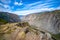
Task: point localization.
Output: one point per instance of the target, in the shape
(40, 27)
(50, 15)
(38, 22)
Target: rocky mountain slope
(9, 17)
(22, 31)
(46, 21)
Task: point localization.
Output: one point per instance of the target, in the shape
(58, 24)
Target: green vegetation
(56, 36)
(23, 24)
(2, 21)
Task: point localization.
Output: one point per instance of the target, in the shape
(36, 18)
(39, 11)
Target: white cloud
(25, 12)
(37, 7)
(6, 6)
(40, 4)
(4, 10)
(30, 5)
(6, 1)
(18, 3)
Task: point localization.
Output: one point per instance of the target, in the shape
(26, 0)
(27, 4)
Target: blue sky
(23, 7)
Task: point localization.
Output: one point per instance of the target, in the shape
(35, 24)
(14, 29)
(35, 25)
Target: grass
(2, 21)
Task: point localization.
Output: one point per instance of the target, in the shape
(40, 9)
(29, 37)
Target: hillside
(46, 21)
(9, 17)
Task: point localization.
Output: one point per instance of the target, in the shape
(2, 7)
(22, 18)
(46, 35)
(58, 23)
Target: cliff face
(9, 17)
(47, 21)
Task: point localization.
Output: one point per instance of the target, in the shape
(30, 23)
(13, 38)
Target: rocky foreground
(22, 31)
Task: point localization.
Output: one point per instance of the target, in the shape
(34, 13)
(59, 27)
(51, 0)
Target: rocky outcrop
(46, 21)
(9, 17)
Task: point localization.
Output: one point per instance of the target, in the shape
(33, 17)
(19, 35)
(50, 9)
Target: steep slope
(9, 17)
(46, 21)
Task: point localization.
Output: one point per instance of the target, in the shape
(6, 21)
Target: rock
(33, 36)
(46, 21)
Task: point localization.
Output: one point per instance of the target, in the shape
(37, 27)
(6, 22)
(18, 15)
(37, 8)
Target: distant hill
(9, 17)
(46, 21)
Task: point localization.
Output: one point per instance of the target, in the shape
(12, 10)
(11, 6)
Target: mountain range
(35, 26)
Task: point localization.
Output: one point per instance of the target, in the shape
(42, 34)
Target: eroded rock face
(48, 21)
